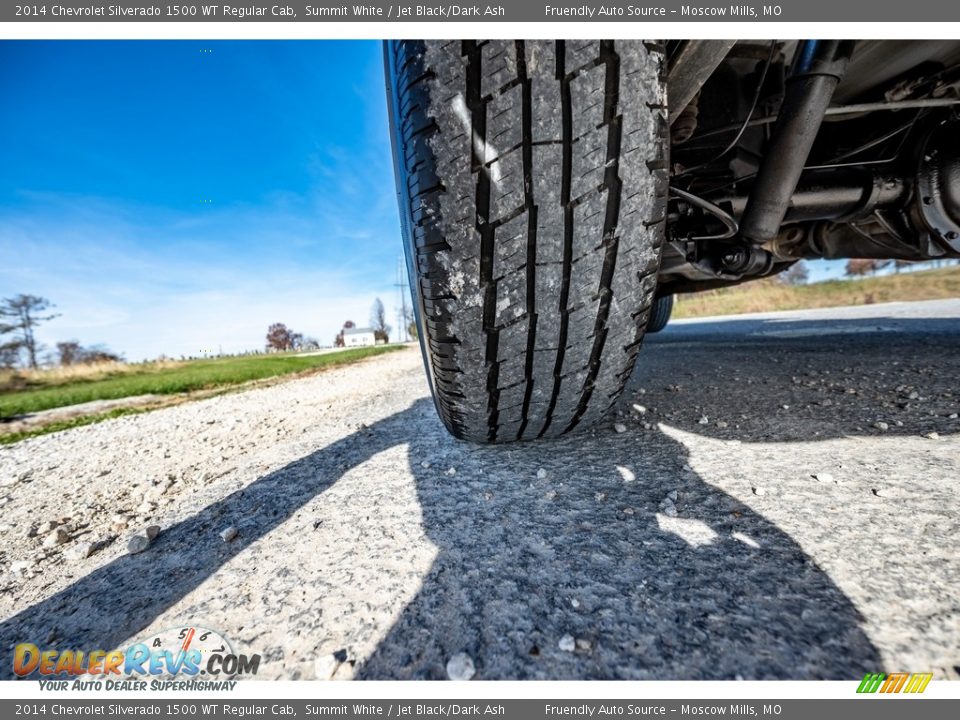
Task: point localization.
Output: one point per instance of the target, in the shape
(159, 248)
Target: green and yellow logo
(894, 682)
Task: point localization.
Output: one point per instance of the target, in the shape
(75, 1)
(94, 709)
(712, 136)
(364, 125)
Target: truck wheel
(532, 183)
(660, 315)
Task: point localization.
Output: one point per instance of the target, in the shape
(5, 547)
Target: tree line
(20, 316)
(858, 267)
(281, 338)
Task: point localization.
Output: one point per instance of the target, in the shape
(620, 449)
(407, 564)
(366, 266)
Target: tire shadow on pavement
(717, 592)
(592, 552)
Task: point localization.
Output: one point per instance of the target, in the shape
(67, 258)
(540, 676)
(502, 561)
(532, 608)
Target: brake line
(724, 217)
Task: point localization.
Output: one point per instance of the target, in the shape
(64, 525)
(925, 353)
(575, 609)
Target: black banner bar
(515, 11)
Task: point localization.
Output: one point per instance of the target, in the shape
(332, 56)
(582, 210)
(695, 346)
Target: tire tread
(536, 196)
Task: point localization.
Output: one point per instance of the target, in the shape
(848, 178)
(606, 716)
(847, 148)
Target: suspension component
(817, 69)
(839, 195)
(938, 186)
(744, 260)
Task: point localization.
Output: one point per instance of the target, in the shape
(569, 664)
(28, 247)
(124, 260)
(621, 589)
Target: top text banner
(513, 11)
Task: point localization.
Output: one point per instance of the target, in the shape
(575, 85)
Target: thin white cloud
(174, 287)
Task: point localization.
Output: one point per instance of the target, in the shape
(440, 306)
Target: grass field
(771, 294)
(35, 391)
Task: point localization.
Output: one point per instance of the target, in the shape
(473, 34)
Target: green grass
(188, 377)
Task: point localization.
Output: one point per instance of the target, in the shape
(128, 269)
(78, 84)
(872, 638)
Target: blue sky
(177, 197)
(821, 270)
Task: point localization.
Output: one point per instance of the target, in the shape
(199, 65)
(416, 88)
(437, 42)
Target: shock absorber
(817, 68)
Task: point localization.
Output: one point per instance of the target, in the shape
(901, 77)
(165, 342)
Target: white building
(358, 337)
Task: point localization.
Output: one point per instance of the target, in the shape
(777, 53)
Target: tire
(532, 183)
(660, 314)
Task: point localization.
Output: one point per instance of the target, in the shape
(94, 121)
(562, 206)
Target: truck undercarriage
(785, 150)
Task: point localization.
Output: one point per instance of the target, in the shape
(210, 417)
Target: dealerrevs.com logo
(184, 658)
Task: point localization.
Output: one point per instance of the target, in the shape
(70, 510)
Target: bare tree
(338, 341)
(69, 352)
(10, 354)
(857, 267)
(21, 315)
(797, 274)
(73, 353)
(378, 322)
(99, 354)
(280, 337)
(411, 322)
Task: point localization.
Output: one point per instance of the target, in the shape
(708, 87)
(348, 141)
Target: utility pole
(404, 289)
